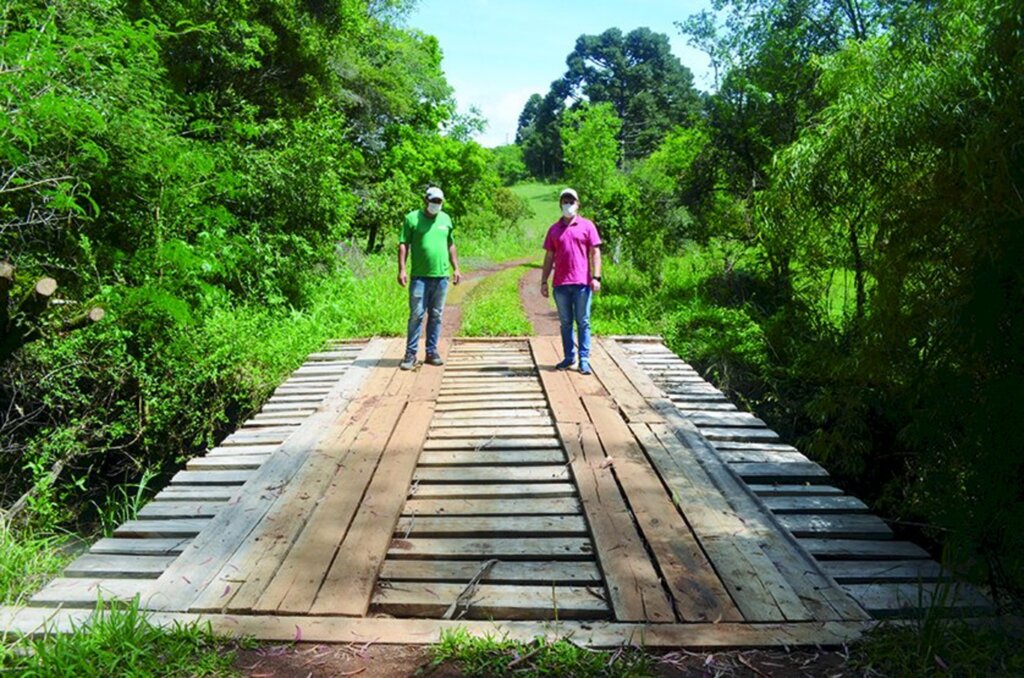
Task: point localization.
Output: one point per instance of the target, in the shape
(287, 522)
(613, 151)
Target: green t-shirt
(428, 240)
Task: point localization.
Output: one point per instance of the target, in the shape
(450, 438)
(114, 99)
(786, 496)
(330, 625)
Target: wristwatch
(596, 277)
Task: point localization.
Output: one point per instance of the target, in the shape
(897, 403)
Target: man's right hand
(402, 278)
(544, 290)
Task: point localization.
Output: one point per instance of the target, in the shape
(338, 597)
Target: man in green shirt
(427, 237)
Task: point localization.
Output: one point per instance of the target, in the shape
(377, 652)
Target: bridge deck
(364, 502)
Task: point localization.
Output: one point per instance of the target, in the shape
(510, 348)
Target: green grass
(489, 656)
(27, 561)
(543, 202)
(120, 642)
(492, 308)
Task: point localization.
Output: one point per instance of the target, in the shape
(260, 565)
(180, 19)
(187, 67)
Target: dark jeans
(426, 296)
(573, 302)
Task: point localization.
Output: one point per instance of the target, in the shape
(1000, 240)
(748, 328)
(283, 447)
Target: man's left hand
(595, 285)
(456, 276)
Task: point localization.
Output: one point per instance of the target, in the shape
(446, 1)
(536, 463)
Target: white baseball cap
(568, 191)
(435, 193)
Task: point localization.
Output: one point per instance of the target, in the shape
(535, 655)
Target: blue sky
(499, 52)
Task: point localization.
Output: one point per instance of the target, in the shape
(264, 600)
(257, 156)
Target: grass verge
(488, 656)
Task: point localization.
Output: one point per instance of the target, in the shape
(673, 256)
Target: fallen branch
(464, 599)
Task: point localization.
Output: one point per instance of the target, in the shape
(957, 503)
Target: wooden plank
(242, 462)
(762, 457)
(871, 571)
(889, 600)
(740, 445)
(295, 585)
(142, 547)
(536, 548)
(492, 601)
(634, 590)
(118, 566)
(503, 415)
(428, 382)
(485, 507)
(493, 526)
(713, 405)
(500, 424)
(261, 420)
(177, 527)
(240, 450)
(492, 474)
(746, 434)
(492, 442)
(349, 584)
(522, 389)
(217, 493)
(626, 395)
(760, 590)
(862, 549)
(246, 575)
(87, 591)
(817, 592)
(162, 510)
(776, 472)
(197, 567)
(516, 572)
(713, 418)
(209, 477)
(820, 505)
(589, 633)
(502, 398)
(520, 490)
(841, 526)
(640, 380)
(697, 592)
(565, 403)
(805, 490)
(528, 407)
(488, 457)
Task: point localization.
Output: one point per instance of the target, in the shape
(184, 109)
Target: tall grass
(119, 641)
(27, 561)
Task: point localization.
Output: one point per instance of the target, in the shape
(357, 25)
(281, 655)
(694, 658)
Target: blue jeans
(426, 295)
(573, 302)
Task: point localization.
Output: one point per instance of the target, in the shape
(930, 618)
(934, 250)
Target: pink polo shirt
(571, 243)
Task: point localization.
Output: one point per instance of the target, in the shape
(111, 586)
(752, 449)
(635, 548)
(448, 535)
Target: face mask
(433, 208)
(569, 210)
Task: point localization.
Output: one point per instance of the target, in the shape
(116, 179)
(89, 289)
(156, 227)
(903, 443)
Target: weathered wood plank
(634, 590)
(492, 442)
(536, 548)
(841, 526)
(294, 587)
(820, 505)
(520, 490)
(491, 526)
(85, 592)
(516, 572)
(478, 415)
(142, 547)
(492, 507)
(626, 395)
(862, 549)
(492, 601)
(715, 433)
(163, 510)
(240, 450)
(893, 600)
(199, 493)
(211, 477)
(713, 405)
(783, 490)
(488, 457)
(697, 592)
(762, 457)
(565, 404)
(760, 590)
(241, 462)
(492, 474)
(499, 424)
(197, 567)
(726, 419)
(348, 586)
(104, 566)
(462, 408)
(784, 472)
(872, 571)
(501, 398)
(169, 528)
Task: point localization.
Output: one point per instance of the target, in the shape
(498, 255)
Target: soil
(306, 660)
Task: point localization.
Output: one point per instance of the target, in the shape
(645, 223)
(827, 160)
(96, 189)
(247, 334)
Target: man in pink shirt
(574, 251)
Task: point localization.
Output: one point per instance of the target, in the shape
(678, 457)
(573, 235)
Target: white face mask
(433, 208)
(569, 210)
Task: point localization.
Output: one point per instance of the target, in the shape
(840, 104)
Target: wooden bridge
(637, 505)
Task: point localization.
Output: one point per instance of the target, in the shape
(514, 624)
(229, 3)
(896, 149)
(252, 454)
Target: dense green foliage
(211, 174)
(837, 238)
